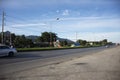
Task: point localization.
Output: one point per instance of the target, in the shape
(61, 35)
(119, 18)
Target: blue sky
(88, 19)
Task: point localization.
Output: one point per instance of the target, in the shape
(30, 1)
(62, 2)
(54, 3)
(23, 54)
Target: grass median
(50, 48)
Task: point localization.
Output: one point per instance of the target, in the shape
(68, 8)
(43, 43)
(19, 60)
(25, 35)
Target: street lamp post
(51, 40)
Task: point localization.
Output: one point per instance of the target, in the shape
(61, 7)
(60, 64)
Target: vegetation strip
(50, 48)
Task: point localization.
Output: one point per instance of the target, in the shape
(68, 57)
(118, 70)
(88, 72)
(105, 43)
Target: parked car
(7, 51)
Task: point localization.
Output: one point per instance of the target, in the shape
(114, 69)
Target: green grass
(49, 48)
(34, 49)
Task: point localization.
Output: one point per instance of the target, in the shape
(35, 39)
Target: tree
(64, 43)
(39, 39)
(13, 36)
(45, 36)
(46, 39)
(22, 42)
(48, 36)
(104, 42)
(29, 43)
(82, 42)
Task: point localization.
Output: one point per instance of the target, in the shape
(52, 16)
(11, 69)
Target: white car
(6, 50)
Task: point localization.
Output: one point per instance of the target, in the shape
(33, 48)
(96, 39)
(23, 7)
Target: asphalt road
(29, 60)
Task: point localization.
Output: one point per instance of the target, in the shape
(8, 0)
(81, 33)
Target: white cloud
(57, 11)
(29, 24)
(98, 23)
(92, 22)
(66, 13)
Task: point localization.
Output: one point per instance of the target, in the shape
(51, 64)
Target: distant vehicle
(107, 46)
(75, 45)
(7, 51)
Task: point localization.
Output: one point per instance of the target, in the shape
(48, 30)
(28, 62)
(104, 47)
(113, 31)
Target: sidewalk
(104, 65)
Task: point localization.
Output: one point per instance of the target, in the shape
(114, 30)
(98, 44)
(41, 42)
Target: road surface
(29, 60)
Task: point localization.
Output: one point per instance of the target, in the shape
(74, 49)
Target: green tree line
(21, 41)
(94, 43)
(45, 39)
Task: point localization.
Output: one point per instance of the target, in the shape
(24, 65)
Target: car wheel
(11, 54)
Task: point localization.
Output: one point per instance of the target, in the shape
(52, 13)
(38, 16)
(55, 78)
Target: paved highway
(28, 60)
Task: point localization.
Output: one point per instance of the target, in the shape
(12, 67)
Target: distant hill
(63, 39)
(33, 37)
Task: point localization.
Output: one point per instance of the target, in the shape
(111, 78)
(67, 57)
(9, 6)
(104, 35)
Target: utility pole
(2, 35)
